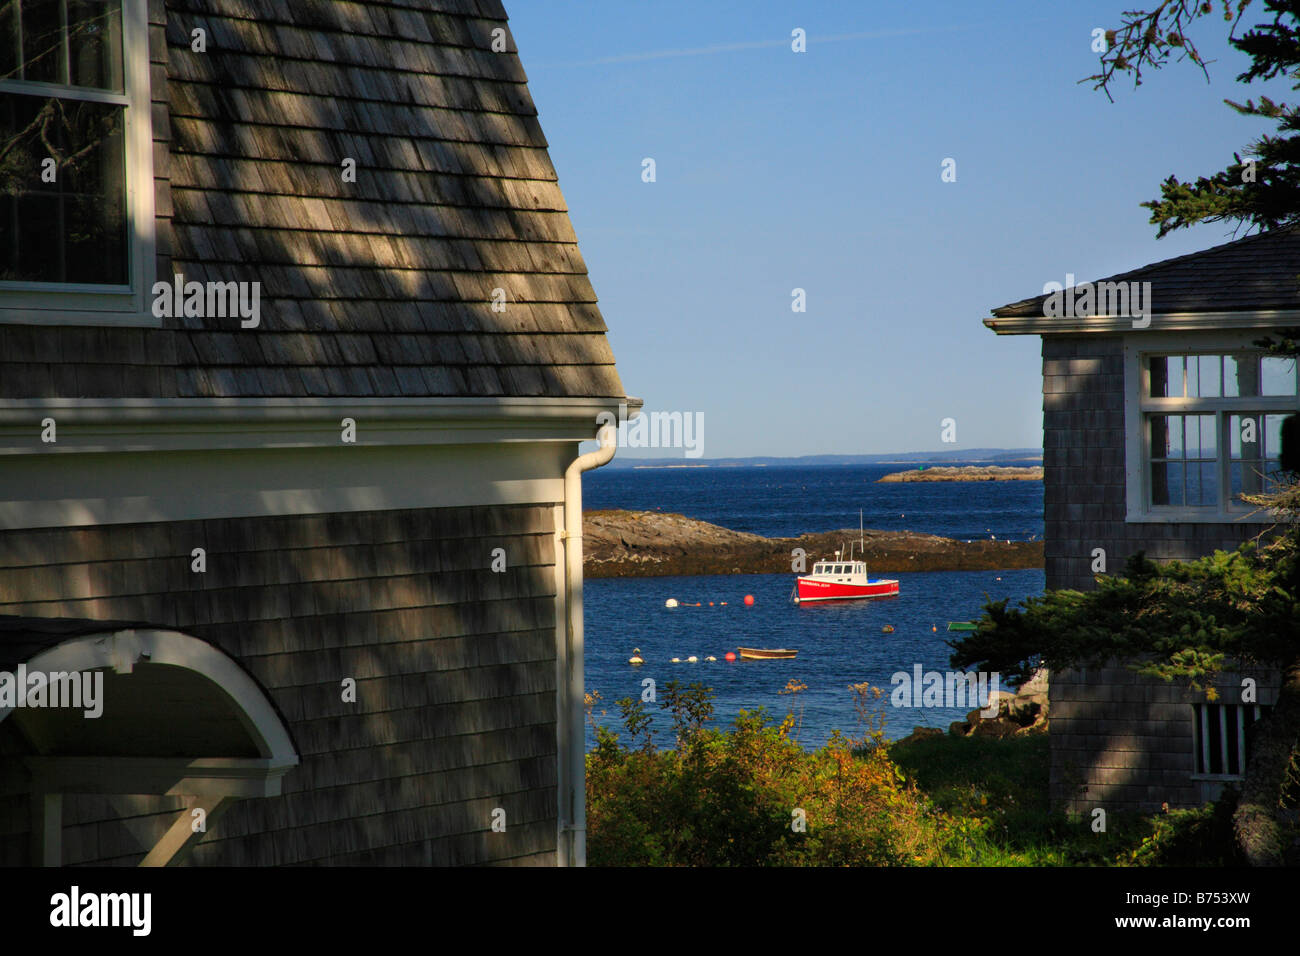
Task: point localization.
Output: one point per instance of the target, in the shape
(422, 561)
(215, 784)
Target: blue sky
(821, 171)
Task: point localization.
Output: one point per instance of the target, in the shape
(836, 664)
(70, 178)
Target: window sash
(112, 46)
(74, 232)
(1221, 407)
(60, 303)
(1191, 372)
(64, 92)
(1223, 461)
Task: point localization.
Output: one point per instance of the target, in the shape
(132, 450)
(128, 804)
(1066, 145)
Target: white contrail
(750, 45)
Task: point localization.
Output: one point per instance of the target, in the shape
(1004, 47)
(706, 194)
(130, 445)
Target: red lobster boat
(841, 580)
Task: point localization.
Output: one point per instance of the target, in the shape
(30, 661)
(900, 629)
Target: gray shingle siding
(1083, 458)
(1117, 741)
(366, 284)
(1124, 742)
(455, 668)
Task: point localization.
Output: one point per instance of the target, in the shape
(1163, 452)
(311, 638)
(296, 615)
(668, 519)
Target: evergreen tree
(1261, 190)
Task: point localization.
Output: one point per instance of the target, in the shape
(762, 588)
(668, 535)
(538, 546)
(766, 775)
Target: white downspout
(573, 763)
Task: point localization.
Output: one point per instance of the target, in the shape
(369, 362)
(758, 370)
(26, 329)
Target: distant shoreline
(966, 473)
(991, 456)
(656, 544)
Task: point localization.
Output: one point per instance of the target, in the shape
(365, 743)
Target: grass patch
(1001, 786)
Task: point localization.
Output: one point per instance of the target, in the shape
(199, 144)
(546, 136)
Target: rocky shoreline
(967, 473)
(1023, 712)
(655, 544)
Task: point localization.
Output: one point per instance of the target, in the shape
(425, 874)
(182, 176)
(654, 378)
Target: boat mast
(862, 549)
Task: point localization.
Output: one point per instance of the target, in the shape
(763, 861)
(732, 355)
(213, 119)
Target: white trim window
(76, 162)
(1205, 428)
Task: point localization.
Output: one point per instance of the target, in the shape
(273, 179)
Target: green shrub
(1200, 837)
(750, 796)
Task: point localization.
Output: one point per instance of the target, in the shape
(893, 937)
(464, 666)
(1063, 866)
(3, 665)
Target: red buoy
(731, 655)
(749, 599)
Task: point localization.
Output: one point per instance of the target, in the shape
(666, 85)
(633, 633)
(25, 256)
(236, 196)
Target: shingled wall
(382, 287)
(1117, 741)
(455, 669)
(1083, 459)
(1124, 742)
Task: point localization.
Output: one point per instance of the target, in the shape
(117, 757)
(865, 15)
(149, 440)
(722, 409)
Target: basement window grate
(1219, 738)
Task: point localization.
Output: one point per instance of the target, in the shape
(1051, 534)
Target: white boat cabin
(845, 572)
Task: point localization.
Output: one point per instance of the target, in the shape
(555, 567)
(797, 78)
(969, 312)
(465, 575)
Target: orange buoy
(749, 599)
(731, 655)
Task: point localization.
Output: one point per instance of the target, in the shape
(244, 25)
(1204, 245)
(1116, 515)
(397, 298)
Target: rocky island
(654, 544)
(968, 473)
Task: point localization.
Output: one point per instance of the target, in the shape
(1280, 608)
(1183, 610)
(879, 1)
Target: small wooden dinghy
(765, 654)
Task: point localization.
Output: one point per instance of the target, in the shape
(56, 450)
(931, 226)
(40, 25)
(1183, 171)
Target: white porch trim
(215, 781)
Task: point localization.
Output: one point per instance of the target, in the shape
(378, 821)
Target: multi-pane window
(64, 205)
(1212, 427)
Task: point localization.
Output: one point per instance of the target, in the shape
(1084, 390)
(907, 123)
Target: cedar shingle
(455, 197)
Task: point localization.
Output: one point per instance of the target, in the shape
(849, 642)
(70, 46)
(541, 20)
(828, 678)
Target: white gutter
(206, 424)
(572, 769)
(226, 410)
(1159, 322)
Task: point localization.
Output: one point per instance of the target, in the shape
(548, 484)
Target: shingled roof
(1257, 272)
(382, 287)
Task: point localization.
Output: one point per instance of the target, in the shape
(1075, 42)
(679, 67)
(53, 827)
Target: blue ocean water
(787, 502)
(839, 644)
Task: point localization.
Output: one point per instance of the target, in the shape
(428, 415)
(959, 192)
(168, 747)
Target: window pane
(1203, 484)
(95, 43)
(1207, 376)
(1278, 377)
(1166, 376)
(1240, 375)
(1273, 436)
(42, 42)
(1166, 436)
(8, 40)
(73, 229)
(1200, 436)
(1167, 483)
(1193, 380)
(1248, 477)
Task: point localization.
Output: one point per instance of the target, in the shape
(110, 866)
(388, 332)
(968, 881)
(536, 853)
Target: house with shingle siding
(1153, 425)
(297, 349)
